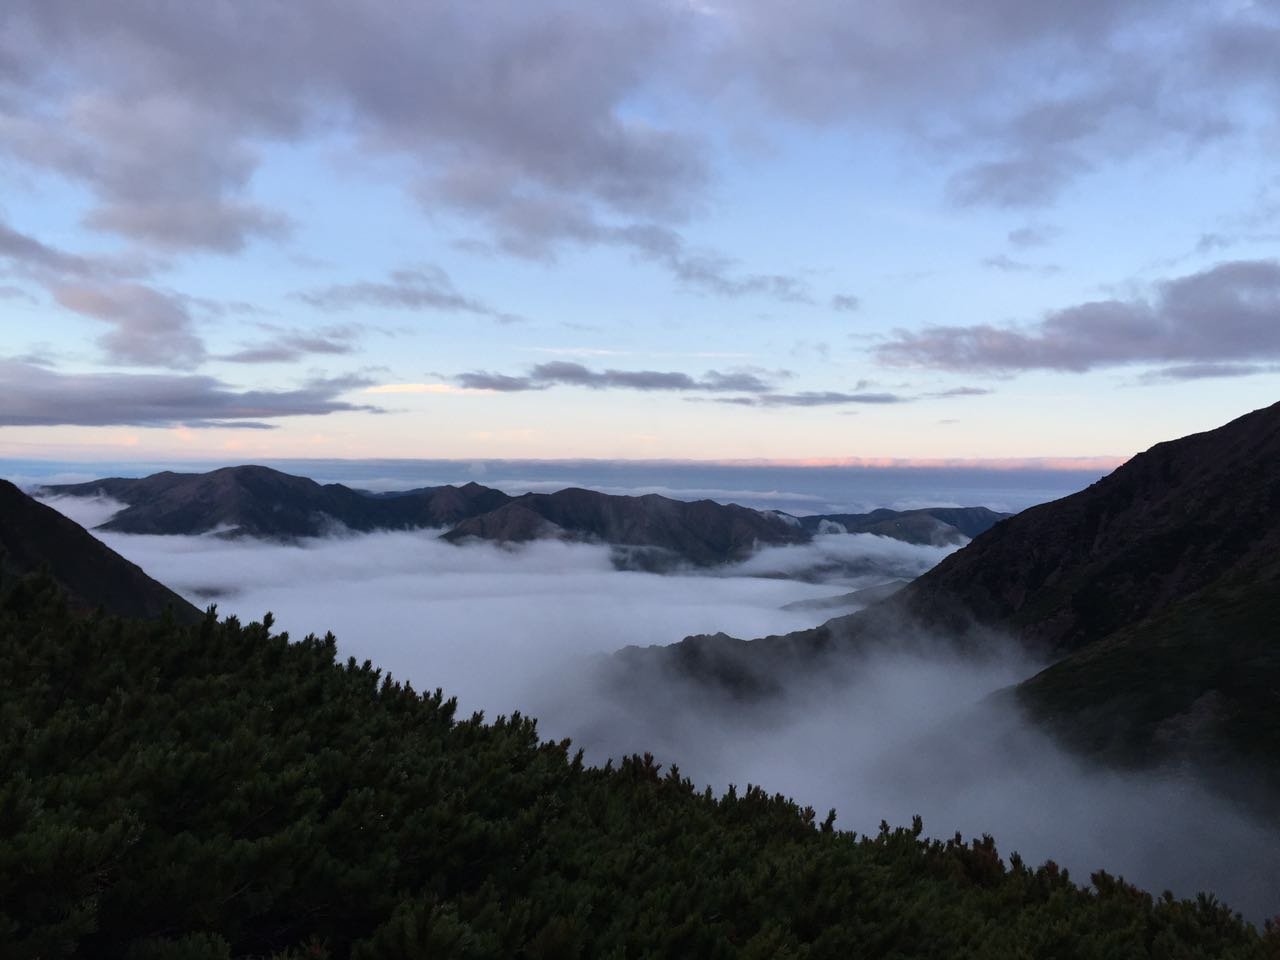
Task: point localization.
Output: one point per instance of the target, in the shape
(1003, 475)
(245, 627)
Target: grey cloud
(1033, 235)
(535, 227)
(30, 252)
(846, 302)
(565, 373)
(530, 125)
(962, 392)
(418, 288)
(176, 224)
(289, 347)
(9, 291)
(170, 103)
(151, 328)
(817, 398)
(33, 395)
(1028, 180)
(1224, 314)
(1206, 371)
(1007, 264)
(483, 380)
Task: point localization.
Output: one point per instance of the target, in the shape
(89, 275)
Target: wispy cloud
(1226, 314)
(34, 395)
(564, 373)
(420, 288)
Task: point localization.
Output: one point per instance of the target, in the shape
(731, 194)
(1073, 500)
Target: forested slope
(214, 791)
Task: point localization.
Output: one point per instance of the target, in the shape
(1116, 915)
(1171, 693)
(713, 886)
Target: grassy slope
(215, 791)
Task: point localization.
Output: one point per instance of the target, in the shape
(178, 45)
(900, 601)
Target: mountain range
(1153, 596)
(646, 532)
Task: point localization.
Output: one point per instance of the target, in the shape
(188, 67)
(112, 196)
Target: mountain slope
(33, 536)
(1155, 593)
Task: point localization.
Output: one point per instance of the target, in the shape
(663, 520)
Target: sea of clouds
(895, 734)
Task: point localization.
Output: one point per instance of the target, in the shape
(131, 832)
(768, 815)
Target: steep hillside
(34, 537)
(216, 791)
(1155, 593)
(1173, 520)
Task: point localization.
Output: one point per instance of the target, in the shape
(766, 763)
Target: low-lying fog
(526, 628)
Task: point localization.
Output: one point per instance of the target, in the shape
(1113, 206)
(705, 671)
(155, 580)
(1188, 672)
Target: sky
(815, 231)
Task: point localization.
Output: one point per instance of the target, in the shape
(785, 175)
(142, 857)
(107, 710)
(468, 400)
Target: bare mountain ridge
(648, 532)
(35, 537)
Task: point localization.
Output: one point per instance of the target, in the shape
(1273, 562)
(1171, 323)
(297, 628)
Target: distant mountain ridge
(260, 502)
(35, 537)
(1154, 593)
(647, 532)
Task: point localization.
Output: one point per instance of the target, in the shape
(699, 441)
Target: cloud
(889, 735)
(424, 287)
(151, 328)
(814, 398)
(1033, 235)
(962, 392)
(11, 291)
(1226, 313)
(846, 302)
(289, 346)
(564, 373)
(1007, 264)
(33, 395)
(1207, 371)
(572, 124)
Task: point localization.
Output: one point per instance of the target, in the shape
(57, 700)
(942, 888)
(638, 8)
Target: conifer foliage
(217, 791)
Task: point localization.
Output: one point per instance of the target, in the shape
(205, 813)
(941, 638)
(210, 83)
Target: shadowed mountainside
(1154, 593)
(33, 536)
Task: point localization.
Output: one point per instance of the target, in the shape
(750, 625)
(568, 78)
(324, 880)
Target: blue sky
(819, 231)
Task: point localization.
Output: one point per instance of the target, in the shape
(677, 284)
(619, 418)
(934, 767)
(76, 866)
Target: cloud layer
(33, 395)
(1223, 314)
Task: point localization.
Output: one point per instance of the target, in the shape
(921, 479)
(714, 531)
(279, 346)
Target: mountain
(216, 790)
(648, 532)
(35, 537)
(654, 528)
(261, 502)
(939, 526)
(1154, 594)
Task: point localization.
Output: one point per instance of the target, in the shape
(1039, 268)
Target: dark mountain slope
(33, 536)
(1171, 521)
(261, 502)
(702, 532)
(1156, 591)
(1200, 681)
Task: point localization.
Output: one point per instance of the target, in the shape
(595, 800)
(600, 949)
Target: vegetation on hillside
(215, 791)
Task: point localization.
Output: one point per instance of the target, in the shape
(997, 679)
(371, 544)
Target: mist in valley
(886, 735)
